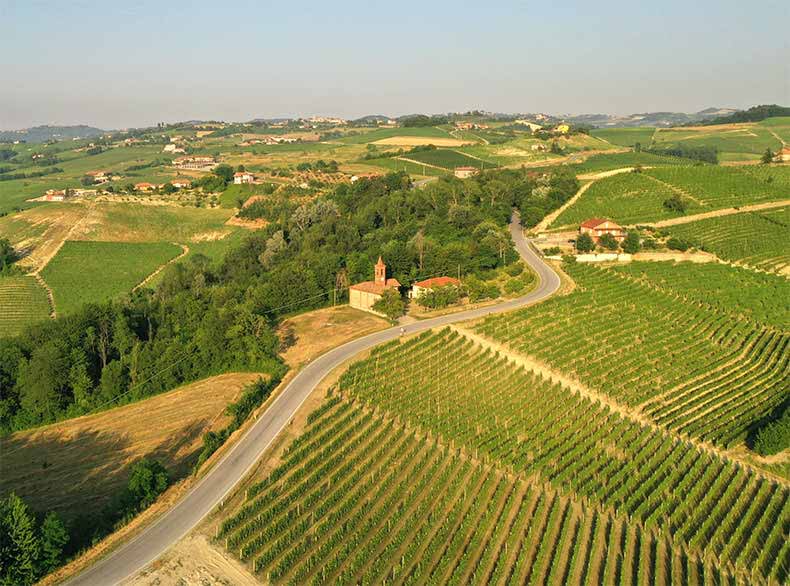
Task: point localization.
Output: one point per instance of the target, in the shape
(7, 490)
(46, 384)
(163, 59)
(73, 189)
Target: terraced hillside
(22, 302)
(632, 198)
(755, 239)
(440, 462)
(692, 367)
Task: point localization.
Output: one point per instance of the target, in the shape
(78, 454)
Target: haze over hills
(44, 133)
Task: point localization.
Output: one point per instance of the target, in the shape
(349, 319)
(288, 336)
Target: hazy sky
(134, 63)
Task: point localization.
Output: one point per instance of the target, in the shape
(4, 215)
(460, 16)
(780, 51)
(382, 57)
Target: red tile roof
(594, 222)
(373, 287)
(437, 282)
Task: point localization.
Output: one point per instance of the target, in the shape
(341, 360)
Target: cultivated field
(755, 239)
(449, 159)
(86, 460)
(638, 197)
(22, 302)
(626, 137)
(758, 296)
(733, 141)
(700, 370)
(84, 272)
(437, 461)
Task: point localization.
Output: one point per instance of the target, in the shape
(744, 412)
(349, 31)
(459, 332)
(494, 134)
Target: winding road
(220, 481)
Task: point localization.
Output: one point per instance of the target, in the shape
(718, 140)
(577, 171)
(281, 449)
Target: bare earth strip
(719, 213)
(144, 282)
(592, 177)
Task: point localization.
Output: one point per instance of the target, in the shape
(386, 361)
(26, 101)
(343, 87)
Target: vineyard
(22, 302)
(84, 272)
(449, 159)
(439, 462)
(692, 367)
(758, 296)
(631, 198)
(755, 239)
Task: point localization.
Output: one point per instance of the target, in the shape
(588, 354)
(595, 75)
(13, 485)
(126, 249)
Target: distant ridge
(753, 114)
(45, 133)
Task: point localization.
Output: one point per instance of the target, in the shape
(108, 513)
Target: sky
(118, 64)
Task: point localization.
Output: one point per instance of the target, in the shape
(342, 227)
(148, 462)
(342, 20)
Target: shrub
(773, 437)
(551, 251)
(678, 244)
(515, 269)
(584, 243)
(631, 243)
(514, 286)
(675, 204)
(608, 241)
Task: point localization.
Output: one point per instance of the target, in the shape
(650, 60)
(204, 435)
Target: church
(364, 295)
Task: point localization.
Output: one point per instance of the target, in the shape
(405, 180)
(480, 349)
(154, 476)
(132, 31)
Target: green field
(632, 198)
(449, 159)
(379, 134)
(627, 198)
(744, 140)
(439, 462)
(22, 302)
(85, 272)
(756, 239)
(626, 137)
(700, 370)
(758, 296)
(387, 164)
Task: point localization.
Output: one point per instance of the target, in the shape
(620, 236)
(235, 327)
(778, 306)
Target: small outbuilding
(465, 172)
(243, 177)
(420, 288)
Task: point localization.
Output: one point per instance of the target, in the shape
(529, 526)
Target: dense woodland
(204, 319)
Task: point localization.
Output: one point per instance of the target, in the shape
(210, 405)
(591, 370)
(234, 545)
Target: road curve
(215, 486)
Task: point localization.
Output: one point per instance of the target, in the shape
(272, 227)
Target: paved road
(220, 481)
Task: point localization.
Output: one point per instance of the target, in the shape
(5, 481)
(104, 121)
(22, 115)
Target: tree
(631, 243)
(767, 157)
(390, 304)
(675, 204)
(54, 538)
(86, 180)
(584, 243)
(7, 254)
(224, 172)
(608, 241)
(169, 188)
(678, 244)
(20, 548)
(147, 481)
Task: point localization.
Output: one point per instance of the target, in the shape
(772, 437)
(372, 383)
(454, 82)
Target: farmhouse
(55, 194)
(419, 288)
(181, 183)
(243, 177)
(144, 186)
(173, 148)
(465, 172)
(597, 227)
(194, 163)
(99, 176)
(364, 295)
(783, 156)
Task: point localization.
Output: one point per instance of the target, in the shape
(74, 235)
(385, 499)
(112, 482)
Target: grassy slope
(22, 302)
(374, 135)
(84, 272)
(87, 459)
(627, 137)
(449, 159)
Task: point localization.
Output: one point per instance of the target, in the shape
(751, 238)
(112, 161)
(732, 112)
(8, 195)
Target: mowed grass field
(84, 272)
(23, 302)
(626, 137)
(86, 460)
(733, 141)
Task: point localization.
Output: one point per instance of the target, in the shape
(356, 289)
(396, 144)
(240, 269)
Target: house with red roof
(243, 177)
(597, 227)
(364, 295)
(420, 288)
